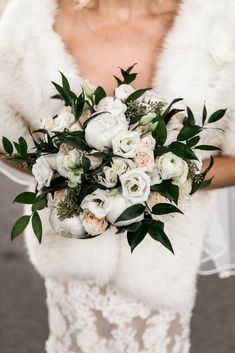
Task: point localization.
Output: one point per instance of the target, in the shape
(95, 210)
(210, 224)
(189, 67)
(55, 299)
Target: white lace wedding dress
(86, 318)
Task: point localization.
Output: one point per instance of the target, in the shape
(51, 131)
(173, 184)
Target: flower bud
(153, 126)
(146, 119)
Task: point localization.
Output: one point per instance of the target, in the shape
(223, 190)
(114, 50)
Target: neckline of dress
(72, 62)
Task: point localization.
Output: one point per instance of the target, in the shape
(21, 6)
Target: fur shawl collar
(197, 63)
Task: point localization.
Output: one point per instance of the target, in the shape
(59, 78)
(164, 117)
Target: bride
(102, 299)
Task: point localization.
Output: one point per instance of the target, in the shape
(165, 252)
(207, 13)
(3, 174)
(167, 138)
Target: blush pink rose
(92, 224)
(145, 159)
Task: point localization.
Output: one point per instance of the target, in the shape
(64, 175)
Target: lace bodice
(85, 318)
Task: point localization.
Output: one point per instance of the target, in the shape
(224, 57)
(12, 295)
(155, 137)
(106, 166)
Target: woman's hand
(223, 172)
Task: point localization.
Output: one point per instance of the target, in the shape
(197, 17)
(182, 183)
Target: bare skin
(109, 34)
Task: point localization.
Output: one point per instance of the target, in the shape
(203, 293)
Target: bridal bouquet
(128, 161)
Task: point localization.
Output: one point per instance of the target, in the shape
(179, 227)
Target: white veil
(219, 250)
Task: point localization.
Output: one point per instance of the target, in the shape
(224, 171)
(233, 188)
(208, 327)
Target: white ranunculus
(135, 185)
(120, 204)
(155, 176)
(42, 172)
(66, 162)
(111, 105)
(173, 167)
(123, 91)
(126, 144)
(69, 228)
(97, 203)
(103, 128)
(64, 120)
(92, 224)
(122, 165)
(75, 177)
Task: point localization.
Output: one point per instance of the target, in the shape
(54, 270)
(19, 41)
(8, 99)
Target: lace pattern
(86, 318)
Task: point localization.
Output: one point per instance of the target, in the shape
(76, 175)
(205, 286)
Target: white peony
(135, 185)
(120, 205)
(69, 228)
(173, 167)
(101, 130)
(64, 120)
(92, 224)
(111, 105)
(123, 91)
(66, 162)
(42, 172)
(126, 144)
(97, 203)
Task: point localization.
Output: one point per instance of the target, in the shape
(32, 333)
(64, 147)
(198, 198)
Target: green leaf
(160, 132)
(27, 198)
(20, 150)
(79, 106)
(131, 212)
(204, 115)
(209, 167)
(40, 203)
(99, 94)
(187, 132)
(165, 208)
(182, 150)
(133, 227)
(159, 151)
(206, 183)
(65, 82)
(19, 226)
(63, 93)
(135, 95)
(219, 114)
(193, 142)
(168, 190)
(135, 238)
(86, 164)
(191, 118)
(7, 145)
(207, 148)
(171, 113)
(156, 231)
(37, 226)
(165, 114)
(23, 144)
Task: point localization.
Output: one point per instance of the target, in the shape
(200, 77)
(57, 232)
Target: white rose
(122, 165)
(42, 172)
(97, 203)
(95, 161)
(102, 129)
(75, 177)
(92, 224)
(173, 128)
(123, 91)
(64, 120)
(66, 162)
(126, 144)
(69, 228)
(147, 142)
(109, 178)
(145, 160)
(120, 204)
(135, 185)
(111, 105)
(150, 96)
(173, 167)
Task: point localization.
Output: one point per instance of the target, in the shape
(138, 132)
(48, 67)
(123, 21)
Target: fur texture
(197, 63)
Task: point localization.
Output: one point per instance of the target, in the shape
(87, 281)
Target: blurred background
(23, 312)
